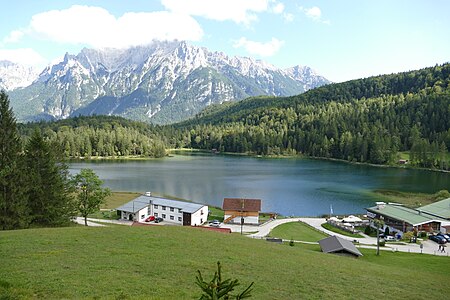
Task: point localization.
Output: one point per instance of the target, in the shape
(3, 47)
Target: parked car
(445, 236)
(438, 239)
(390, 238)
(158, 219)
(214, 223)
(150, 218)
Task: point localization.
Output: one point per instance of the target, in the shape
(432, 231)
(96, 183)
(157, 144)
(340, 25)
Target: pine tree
(49, 190)
(13, 202)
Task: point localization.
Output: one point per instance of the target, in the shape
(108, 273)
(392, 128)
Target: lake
(293, 186)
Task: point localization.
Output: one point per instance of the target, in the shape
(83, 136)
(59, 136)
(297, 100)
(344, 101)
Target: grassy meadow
(297, 231)
(160, 262)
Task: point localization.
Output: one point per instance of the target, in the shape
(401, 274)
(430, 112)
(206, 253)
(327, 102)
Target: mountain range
(163, 82)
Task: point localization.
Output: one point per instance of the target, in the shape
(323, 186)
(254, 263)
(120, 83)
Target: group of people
(442, 247)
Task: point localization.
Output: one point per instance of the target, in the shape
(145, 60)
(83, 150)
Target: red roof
(240, 204)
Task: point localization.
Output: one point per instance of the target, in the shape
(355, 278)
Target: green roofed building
(440, 209)
(402, 219)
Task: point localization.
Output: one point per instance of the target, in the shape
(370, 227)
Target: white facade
(172, 211)
(200, 216)
(247, 220)
(139, 216)
(168, 213)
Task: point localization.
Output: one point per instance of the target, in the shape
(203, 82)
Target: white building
(179, 212)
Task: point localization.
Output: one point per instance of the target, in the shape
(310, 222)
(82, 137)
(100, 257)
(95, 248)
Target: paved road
(258, 232)
(80, 220)
(429, 247)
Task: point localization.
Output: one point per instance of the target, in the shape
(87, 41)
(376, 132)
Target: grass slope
(160, 262)
(297, 231)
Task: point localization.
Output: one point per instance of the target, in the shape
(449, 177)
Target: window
(142, 217)
(180, 210)
(149, 211)
(164, 208)
(156, 214)
(201, 212)
(171, 209)
(156, 206)
(164, 216)
(172, 217)
(179, 219)
(201, 221)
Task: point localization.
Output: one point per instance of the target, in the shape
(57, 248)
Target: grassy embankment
(410, 199)
(297, 231)
(160, 262)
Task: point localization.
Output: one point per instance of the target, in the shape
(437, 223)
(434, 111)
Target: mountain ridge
(163, 82)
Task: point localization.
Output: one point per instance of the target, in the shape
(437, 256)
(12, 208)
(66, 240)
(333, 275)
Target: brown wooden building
(237, 209)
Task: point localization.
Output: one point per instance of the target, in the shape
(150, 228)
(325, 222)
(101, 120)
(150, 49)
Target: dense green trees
(405, 112)
(101, 136)
(369, 120)
(34, 186)
(49, 189)
(14, 212)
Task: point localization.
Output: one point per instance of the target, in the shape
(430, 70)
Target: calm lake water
(302, 187)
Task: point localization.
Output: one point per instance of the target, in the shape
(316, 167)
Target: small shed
(236, 209)
(337, 245)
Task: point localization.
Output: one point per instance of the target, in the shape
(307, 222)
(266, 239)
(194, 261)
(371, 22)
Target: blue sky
(341, 40)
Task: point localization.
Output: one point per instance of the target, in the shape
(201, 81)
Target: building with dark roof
(175, 211)
(338, 245)
(237, 210)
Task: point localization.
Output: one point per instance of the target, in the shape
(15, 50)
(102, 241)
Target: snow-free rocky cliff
(162, 83)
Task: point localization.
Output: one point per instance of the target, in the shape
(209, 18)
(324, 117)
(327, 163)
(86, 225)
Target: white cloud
(24, 56)
(261, 49)
(288, 17)
(13, 37)
(239, 11)
(96, 27)
(314, 13)
(278, 8)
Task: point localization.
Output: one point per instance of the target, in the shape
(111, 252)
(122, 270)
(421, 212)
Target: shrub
(291, 243)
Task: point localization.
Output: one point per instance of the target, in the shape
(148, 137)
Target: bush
(408, 236)
(291, 243)
(422, 234)
(382, 242)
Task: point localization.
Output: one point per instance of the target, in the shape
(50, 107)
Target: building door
(186, 219)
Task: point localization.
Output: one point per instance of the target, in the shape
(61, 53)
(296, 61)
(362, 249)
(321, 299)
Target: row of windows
(164, 208)
(164, 217)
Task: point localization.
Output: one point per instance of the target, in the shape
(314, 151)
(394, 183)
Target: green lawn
(409, 199)
(215, 213)
(160, 262)
(340, 231)
(116, 199)
(297, 231)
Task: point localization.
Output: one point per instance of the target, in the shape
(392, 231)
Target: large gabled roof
(335, 244)
(143, 201)
(440, 208)
(411, 216)
(240, 204)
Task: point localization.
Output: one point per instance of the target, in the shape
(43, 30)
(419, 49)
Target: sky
(341, 40)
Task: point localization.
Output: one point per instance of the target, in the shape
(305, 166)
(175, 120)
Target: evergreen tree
(13, 201)
(50, 199)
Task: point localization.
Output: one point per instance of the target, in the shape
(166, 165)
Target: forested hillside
(369, 120)
(101, 136)
(366, 120)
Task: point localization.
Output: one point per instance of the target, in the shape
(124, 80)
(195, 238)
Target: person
(443, 248)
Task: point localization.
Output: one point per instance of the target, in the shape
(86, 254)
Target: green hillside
(367, 120)
(160, 262)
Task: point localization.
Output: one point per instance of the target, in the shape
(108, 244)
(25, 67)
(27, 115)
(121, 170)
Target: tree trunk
(85, 221)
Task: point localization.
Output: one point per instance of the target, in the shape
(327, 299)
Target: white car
(215, 223)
